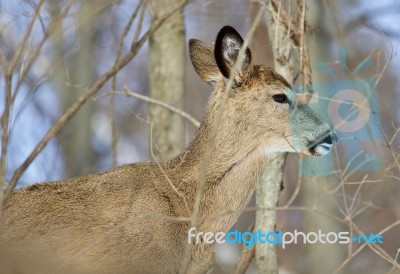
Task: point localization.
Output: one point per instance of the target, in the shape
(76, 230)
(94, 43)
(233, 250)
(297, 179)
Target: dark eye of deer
(280, 98)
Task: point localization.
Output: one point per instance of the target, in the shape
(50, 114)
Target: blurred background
(347, 40)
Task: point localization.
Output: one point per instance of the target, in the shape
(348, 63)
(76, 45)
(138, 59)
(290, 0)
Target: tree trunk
(267, 195)
(73, 77)
(269, 186)
(167, 71)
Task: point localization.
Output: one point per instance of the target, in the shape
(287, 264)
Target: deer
(135, 218)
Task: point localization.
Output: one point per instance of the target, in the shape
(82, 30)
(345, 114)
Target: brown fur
(120, 221)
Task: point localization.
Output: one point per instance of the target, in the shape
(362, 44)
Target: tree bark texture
(167, 74)
(73, 76)
(269, 186)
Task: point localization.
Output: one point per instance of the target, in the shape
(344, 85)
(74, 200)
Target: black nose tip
(330, 139)
(334, 137)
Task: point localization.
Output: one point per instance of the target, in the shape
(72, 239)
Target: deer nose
(331, 139)
(326, 144)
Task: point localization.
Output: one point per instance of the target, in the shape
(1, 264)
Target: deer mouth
(321, 149)
(325, 146)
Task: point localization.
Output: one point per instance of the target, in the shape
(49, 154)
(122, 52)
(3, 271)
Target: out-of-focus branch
(3, 59)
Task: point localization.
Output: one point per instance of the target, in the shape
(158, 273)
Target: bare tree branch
(185, 115)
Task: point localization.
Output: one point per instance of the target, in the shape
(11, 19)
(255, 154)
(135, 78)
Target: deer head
(261, 108)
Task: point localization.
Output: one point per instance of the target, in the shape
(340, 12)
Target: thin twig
(246, 256)
(26, 35)
(171, 184)
(139, 26)
(53, 24)
(347, 260)
(185, 115)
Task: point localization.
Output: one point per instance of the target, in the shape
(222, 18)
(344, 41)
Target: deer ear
(226, 51)
(202, 57)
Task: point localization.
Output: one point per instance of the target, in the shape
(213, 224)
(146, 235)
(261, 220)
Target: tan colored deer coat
(126, 220)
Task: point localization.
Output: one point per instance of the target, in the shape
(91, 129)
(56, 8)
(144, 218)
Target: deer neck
(232, 170)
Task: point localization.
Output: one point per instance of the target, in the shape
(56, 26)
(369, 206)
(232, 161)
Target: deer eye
(280, 98)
